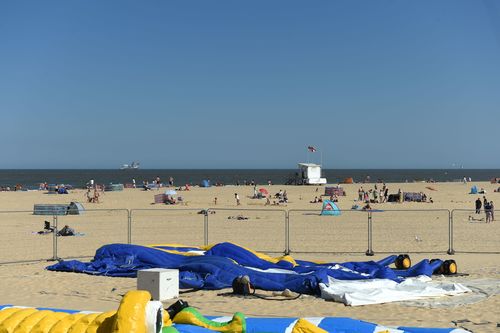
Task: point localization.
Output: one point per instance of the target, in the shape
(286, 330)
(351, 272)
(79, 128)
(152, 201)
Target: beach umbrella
(170, 192)
(263, 191)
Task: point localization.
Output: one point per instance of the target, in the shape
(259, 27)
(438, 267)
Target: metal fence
(472, 233)
(23, 237)
(347, 232)
(261, 229)
(405, 231)
(157, 226)
(94, 228)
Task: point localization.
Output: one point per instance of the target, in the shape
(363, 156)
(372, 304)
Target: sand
(400, 228)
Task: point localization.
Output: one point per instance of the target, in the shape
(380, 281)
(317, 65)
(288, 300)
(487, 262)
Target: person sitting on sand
(315, 200)
(66, 231)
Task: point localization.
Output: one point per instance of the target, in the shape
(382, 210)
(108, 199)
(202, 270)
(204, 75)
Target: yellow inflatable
(136, 314)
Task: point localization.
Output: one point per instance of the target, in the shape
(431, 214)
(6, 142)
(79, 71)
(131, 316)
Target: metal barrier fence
(20, 240)
(347, 232)
(157, 226)
(94, 228)
(23, 238)
(472, 233)
(405, 231)
(261, 229)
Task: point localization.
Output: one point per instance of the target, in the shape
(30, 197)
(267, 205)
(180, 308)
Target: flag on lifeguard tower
(311, 149)
(330, 208)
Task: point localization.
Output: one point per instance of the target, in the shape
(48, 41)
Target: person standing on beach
(133, 183)
(487, 211)
(492, 211)
(158, 180)
(237, 198)
(386, 193)
(478, 206)
(171, 181)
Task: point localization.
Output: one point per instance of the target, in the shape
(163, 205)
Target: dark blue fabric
(225, 261)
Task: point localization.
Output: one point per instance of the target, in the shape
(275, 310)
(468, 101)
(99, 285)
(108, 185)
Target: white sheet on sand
(376, 291)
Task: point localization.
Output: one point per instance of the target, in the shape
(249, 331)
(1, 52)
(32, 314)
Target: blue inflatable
(215, 267)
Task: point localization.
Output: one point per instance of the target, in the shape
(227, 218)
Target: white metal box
(163, 284)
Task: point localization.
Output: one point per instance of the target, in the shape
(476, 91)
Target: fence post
(54, 239)
(205, 226)
(287, 232)
(369, 252)
(450, 251)
(129, 222)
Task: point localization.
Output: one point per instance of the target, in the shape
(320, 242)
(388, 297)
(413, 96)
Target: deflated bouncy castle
(217, 266)
(138, 314)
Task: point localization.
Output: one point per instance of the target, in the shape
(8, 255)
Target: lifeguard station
(310, 174)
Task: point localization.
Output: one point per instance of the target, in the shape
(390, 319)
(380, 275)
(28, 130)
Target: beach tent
(113, 187)
(75, 208)
(50, 209)
(330, 208)
(473, 190)
(205, 183)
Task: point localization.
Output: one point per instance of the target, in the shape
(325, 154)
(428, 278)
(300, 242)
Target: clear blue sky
(233, 84)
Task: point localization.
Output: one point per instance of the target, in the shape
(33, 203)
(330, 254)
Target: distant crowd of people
(374, 195)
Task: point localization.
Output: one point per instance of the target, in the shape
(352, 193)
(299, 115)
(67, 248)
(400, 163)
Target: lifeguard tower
(310, 174)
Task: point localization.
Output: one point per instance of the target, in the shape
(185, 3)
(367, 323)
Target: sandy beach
(420, 229)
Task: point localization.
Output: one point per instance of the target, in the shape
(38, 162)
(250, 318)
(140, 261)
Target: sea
(79, 177)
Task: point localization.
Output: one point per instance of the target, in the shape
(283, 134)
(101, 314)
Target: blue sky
(232, 84)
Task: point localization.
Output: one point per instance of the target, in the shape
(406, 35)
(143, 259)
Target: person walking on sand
(215, 201)
(237, 198)
(478, 206)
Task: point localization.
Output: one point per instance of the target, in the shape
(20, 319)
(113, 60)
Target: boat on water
(131, 166)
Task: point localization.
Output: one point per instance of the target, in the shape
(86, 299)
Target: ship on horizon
(132, 166)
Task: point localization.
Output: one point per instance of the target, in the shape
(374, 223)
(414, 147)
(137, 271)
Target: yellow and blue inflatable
(138, 314)
(215, 267)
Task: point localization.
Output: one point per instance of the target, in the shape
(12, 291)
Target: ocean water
(230, 177)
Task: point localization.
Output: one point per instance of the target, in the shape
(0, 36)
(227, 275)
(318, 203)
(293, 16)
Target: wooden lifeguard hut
(310, 174)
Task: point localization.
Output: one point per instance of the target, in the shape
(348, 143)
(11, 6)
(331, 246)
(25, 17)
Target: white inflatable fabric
(376, 291)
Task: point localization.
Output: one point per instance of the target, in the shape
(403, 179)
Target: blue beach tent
(330, 208)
